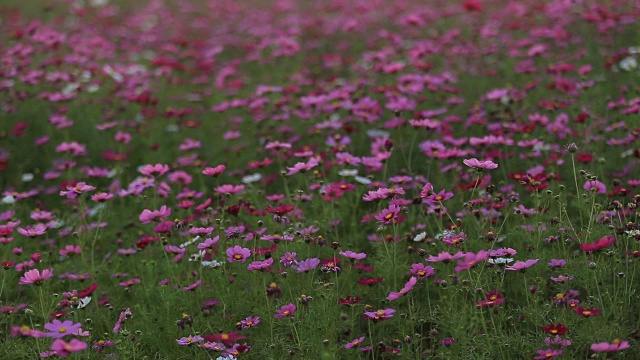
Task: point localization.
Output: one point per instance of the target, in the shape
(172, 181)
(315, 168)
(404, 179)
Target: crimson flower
(280, 210)
(225, 338)
(492, 298)
(369, 281)
(586, 312)
(600, 244)
(555, 329)
(349, 300)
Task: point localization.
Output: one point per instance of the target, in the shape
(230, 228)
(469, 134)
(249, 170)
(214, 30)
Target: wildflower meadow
(340, 179)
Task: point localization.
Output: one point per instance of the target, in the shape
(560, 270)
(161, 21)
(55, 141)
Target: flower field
(341, 179)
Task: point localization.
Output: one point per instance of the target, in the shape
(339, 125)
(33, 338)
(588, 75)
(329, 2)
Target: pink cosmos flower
(353, 255)
(595, 186)
(58, 329)
(380, 314)
(522, 265)
(445, 257)
(249, 322)
(126, 314)
(154, 170)
(101, 197)
(616, 345)
(40, 229)
(148, 216)
(548, 354)
(354, 343)
(407, 287)
(229, 189)
(214, 171)
(63, 348)
(470, 260)
(480, 165)
(285, 311)
(35, 277)
(188, 340)
(70, 250)
(72, 192)
(193, 286)
(260, 265)
(238, 254)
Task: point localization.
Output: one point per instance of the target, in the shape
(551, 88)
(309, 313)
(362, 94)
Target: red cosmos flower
(88, 291)
(555, 329)
(600, 244)
(281, 209)
(369, 281)
(584, 158)
(225, 338)
(349, 300)
(586, 312)
(472, 5)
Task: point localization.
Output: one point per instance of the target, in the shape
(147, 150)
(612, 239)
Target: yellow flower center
(62, 329)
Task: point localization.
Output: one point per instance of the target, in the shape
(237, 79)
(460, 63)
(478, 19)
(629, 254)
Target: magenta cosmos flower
(354, 343)
(285, 311)
(616, 345)
(238, 254)
(421, 271)
(35, 277)
(58, 329)
(407, 287)
(388, 216)
(63, 348)
(148, 216)
(480, 165)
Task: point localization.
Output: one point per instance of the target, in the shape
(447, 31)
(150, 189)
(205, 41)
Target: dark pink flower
(285, 311)
(407, 287)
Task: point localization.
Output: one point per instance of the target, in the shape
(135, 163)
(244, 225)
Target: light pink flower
(213, 171)
(63, 348)
(148, 216)
(480, 165)
(40, 229)
(595, 186)
(155, 170)
(616, 345)
(35, 277)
